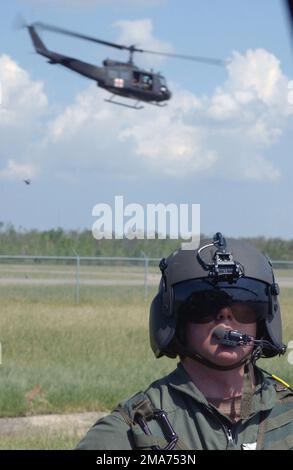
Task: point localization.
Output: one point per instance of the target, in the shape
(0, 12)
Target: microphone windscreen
(220, 332)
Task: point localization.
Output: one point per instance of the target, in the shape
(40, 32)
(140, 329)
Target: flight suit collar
(180, 381)
(264, 396)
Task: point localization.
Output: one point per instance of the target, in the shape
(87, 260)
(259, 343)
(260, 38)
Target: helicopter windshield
(163, 81)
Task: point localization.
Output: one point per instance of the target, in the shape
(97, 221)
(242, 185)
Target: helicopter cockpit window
(163, 81)
(147, 81)
(143, 80)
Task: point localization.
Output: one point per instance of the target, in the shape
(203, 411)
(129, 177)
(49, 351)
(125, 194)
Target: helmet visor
(201, 300)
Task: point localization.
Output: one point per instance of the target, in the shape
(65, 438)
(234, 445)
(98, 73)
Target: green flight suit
(198, 424)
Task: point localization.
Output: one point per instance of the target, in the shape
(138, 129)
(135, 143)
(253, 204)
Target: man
(217, 308)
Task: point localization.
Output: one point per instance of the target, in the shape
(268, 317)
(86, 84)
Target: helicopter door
(142, 80)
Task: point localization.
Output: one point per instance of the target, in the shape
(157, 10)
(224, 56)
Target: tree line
(60, 242)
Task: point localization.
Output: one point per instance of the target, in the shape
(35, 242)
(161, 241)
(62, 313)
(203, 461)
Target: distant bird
(27, 181)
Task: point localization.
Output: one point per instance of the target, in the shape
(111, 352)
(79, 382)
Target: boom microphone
(232, 338)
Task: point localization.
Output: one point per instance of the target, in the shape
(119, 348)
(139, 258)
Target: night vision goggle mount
(223, 266)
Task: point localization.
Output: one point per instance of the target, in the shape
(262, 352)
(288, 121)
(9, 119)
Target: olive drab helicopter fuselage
(126, 79)
(119, 78)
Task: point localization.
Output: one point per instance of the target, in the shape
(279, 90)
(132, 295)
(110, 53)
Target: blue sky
(224, 141)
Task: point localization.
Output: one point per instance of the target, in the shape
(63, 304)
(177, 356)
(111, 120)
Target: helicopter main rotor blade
(56, 29)
(205, 60)
(19, 22)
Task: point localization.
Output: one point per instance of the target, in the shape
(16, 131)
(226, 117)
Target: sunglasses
(201, 302)
(242, 313)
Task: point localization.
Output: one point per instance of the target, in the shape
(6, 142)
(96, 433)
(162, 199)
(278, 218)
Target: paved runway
(153, 280)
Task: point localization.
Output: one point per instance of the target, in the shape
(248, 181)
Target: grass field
(82, 357)
(87, 356)
(41, 441)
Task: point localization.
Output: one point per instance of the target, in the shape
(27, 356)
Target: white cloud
(24, 104)
(18, 171)
(140, 34)
(261, 132)
(226, 135)
(105, 135)
(23, 99)
(258, 76)
(255, 80)
(229, 135)
(167, 142)
(261, 169)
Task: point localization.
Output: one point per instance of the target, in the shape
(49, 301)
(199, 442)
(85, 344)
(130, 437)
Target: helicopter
(120, 78)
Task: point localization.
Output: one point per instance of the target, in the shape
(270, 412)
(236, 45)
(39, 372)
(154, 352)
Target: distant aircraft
(27, 181)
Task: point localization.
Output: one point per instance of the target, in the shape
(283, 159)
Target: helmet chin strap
(206, 362)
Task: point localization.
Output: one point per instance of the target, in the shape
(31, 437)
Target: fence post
(77, 283)
(146, 272)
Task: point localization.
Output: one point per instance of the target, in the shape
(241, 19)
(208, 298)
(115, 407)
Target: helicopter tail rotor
(19, 22)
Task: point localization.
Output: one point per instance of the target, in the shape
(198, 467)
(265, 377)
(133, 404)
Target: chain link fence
(83, 278)
(77, 277)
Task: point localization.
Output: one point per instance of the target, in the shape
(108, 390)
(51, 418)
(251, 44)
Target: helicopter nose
(166, 93)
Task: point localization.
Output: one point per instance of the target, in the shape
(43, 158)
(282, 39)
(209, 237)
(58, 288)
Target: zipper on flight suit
(227, 431)
(229, 435)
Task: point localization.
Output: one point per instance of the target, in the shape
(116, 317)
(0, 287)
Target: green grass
(279, 273)
(43, 440)
(58, 296)
(280, 365)
(87, 356)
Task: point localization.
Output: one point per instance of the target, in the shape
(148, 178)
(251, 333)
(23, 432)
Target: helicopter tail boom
(83, 68)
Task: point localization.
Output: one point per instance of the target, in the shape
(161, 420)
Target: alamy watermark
(290, 92)
(151, 221)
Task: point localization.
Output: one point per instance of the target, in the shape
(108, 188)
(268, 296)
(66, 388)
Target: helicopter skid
(160, 105)
(135, 106)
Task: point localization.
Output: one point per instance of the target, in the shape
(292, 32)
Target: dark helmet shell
(183, 265)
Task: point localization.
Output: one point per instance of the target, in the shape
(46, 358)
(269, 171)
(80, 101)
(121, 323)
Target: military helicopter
(120, 78)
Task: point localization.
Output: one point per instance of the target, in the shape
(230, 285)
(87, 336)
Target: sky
(224, 141)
